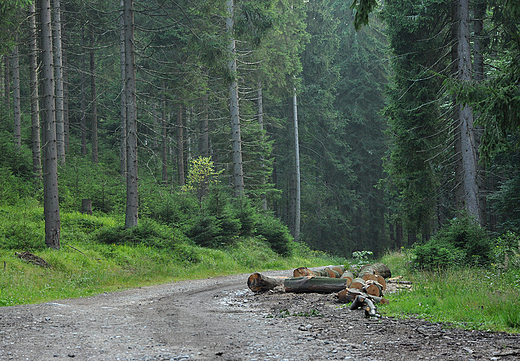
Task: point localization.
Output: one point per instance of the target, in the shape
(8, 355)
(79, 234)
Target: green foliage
(201, 174)
(275, 233)
(506, 251)
(462, 243)
(22, 227)
(361, 257)
(148, 233)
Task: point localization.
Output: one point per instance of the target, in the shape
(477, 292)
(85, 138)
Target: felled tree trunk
(349, 295)
(377, 269)
(329, 271)
(258, 282)
(370, 287)
(314, 284)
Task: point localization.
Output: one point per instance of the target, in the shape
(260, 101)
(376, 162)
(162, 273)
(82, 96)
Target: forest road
(221, 319)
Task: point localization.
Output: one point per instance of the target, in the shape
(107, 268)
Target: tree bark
(180, 148)
(58, 69)
(258, 282)
(35, 95)
(93, 96)
(297, 201)
(50, 164)
(468, 147)
(122, 54)
(314, 284)
(238, 172)
(164, 132)
(15, 59)
(83, 102)
(131, 219)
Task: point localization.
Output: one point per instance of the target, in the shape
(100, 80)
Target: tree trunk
(58, 72)
(7, 84)
(467, 132)
(50, 164)
(260, 105)
(238, 172)
(314, 284)
(15, 59)
(204, 128)
(164, 128)
(258, 282)
(377, 269)
(93, 96)
(123, 132)
(35, 96)
(297, 201)
(180, 148)
(83, 102)
(131, 219)
(66, 125)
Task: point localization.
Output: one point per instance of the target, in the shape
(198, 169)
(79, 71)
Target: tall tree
(93, 99)
(131, 219)
(15, 59)
(35, 101)
(50, 154)
(238, 172)
(59, 83)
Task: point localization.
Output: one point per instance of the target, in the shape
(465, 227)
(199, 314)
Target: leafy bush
(22, 227)
(461, 243)
(275, 233)
(148, 233)
(506, 251)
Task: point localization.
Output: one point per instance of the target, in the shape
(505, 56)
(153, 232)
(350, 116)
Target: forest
(347, 126)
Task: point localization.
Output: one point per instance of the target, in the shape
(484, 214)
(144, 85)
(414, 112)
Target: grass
(84, 267)
(469, 298)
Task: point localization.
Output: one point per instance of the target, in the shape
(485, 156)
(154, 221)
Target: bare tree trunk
(93, 95)
(7, 84)
(66, 125)
(297, 201)
(123, 90)
(58, 72)
(83, 103)
(469, 154)
(35, 105)
(238, 172)
(50, 163)
(260, 106)
(204, 128)
(15, 59)
(131, 118)
(180, 148)
(164, 132)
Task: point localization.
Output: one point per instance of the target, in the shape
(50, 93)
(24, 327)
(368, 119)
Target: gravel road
(221, 319)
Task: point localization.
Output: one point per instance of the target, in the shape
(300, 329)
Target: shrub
(275, 233)
(148, 233)
(506, 251)
(461, 243)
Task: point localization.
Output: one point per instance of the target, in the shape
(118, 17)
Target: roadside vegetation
(458, 285)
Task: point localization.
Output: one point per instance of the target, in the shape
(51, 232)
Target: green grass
(470, 298)
(84, 267)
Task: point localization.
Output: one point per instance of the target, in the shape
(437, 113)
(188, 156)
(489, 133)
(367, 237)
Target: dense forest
(358, 126)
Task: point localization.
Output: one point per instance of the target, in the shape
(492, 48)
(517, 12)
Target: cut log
(373, 288)
(349, 295)
(302, 271)
(314, 284)
(378, 268)
(349, 276)
(358, 283)
(258, 282)
(379, 279)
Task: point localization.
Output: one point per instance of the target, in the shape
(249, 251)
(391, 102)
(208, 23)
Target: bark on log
(314, 284)
(358, 283)
(373, 288)
(349, 295)
(379, 279)
(258, 282)
(329, 271)
(349, 276)
(379, 268)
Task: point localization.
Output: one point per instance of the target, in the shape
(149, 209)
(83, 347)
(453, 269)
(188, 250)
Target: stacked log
(315, 284)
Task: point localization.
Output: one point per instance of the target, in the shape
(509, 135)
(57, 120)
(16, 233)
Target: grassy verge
(470, 298)
(84, 266)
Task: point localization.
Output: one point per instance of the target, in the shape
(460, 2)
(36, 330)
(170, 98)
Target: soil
(221, 319)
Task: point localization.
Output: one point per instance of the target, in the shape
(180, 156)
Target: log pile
(364, 290)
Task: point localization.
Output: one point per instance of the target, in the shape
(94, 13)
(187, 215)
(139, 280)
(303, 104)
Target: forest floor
(221, 319)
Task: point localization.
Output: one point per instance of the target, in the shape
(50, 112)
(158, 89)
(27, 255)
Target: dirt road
(220, 319)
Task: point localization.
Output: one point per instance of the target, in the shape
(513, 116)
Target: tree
(35, 104)
(60, 98)
(50, 155)
(131, 219)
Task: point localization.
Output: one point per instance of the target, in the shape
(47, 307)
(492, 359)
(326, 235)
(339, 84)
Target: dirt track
(220, 319)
